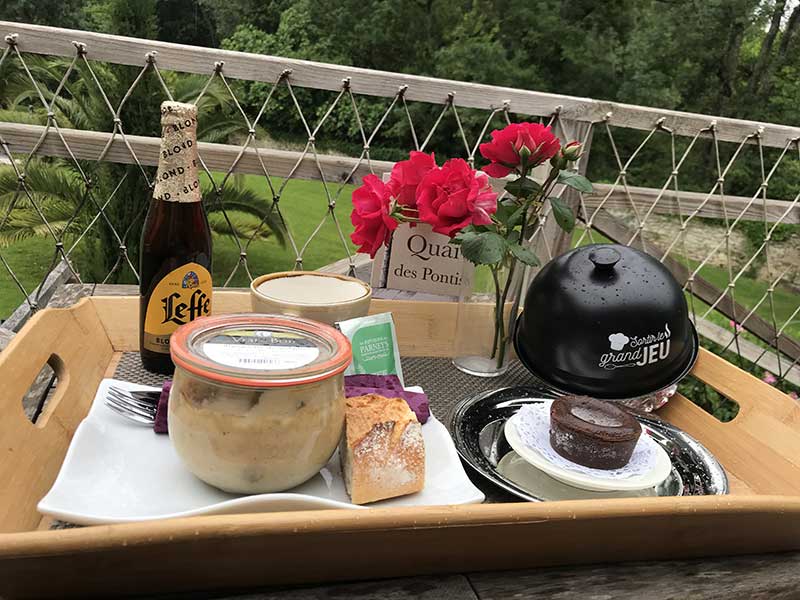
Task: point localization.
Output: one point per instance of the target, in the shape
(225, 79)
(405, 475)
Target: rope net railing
(665, 188)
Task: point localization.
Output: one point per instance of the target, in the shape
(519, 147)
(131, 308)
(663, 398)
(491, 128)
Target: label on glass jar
(260, 349)
(181, 296)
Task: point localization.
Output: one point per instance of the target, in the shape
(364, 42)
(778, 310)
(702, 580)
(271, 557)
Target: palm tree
(58, 208)
(57, 188)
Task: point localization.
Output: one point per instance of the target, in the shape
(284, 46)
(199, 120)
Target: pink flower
(371, 215)
(454, 196)
(793, 395)
(736, 326)
(769, 378)
(406, 176)
(503, 150)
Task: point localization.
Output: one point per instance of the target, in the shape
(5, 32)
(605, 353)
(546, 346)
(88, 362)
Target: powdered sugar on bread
(382, 451)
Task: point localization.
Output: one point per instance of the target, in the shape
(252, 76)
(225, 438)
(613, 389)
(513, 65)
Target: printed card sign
(420, 260)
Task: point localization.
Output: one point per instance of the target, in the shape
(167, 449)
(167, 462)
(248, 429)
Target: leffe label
(180, 297)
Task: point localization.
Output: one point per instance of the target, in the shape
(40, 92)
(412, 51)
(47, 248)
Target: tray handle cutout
(45, 391)
(749, 392)
(760, 447)
(73, 342)
(716, 405)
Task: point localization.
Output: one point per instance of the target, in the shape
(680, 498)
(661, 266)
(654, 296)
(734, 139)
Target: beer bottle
(175, 260)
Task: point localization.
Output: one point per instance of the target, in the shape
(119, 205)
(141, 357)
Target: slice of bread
(382, 450)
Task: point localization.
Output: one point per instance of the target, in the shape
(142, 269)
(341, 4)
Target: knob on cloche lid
(607, 321)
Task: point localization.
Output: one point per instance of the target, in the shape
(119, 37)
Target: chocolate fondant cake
(593, 433)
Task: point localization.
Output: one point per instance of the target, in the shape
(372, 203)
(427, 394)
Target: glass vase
(488, 306)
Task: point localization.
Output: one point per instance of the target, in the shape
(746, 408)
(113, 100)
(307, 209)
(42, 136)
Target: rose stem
(497, 307)
(501, 325)
(499, 345)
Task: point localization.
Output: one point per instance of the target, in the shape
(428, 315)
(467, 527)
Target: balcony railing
(662, 176)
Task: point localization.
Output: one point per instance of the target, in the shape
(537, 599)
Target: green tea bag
(374, 341)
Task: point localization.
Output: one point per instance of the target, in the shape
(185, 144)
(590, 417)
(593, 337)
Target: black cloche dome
(608, 321)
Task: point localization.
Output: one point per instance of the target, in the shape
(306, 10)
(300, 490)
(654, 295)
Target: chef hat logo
(618, 340)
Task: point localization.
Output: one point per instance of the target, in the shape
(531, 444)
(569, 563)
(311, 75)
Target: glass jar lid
(256, 350)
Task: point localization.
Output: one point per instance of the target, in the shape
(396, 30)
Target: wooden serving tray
(760, 450)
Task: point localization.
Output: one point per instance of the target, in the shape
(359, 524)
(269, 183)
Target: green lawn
(30, 259)
(303, 205)
(749, 291)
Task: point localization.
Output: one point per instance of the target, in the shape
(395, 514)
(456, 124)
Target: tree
(60, 13)
(783, 58)
(729, 57)
(82, 105)
(58, 191)
(765, 52)
(263, 15)
(186, 22)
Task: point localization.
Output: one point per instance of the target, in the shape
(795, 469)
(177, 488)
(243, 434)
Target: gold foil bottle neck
(173, 112)
(177, 179)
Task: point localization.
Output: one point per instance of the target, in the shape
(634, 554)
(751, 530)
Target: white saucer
(661, 468)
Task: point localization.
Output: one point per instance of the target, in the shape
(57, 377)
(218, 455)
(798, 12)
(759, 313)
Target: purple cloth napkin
(417, 401)
(160, 425)
(386, 382)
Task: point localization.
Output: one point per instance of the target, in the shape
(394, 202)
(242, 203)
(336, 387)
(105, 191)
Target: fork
(138, 406)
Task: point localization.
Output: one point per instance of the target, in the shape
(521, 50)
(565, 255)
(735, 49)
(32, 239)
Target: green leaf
(523, 187)
(575, 180)
(516, 218)
(524, 255)
(484, 228)
(509, 215)
(504, 212)
(463, 236)
(486, 248)
(563, 214)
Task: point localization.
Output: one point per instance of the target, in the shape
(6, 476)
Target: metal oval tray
(477, 426)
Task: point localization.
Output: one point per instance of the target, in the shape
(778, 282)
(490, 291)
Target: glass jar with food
(257, 401)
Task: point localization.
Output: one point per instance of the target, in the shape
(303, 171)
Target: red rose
(504, 148)
(454, 196)
(371, 215)
(406, 176)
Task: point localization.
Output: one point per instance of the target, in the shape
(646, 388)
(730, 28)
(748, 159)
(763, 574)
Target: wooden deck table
(773, 576)
(766, 576)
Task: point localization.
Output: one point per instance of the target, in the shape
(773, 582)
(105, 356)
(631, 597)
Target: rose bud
(572, 151)
(524, 155)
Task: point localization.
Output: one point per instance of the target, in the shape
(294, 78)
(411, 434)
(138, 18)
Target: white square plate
(116, 471)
